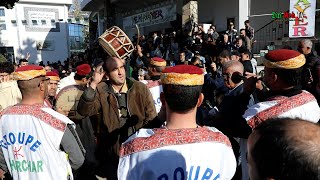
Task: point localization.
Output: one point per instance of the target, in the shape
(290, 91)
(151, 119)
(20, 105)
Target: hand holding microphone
(251, 81)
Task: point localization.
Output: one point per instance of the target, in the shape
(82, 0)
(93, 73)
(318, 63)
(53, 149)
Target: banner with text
(155, 16)
(303, 25)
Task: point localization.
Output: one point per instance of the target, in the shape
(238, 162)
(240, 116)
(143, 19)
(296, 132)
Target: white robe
(9, 94)
(155, 88)
(198, 153)
(30, 140)
(67, 81)
(303, 106)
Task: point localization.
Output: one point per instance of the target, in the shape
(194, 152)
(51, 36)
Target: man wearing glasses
(9, 91)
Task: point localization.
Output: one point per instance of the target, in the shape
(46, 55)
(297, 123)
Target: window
(43, 22)
(2, 12)
(3, 26)
(34, 22)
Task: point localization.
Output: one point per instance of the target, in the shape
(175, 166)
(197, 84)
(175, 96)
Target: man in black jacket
(230, 110)
(311, 70)
(228, 117)
(246, 61)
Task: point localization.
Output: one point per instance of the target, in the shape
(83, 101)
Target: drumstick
(138, 31)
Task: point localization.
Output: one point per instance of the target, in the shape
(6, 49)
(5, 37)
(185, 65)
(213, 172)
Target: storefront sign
(41, 19)
(155, 16)
(304, 23)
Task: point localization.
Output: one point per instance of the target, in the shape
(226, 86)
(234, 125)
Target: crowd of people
(183, 106)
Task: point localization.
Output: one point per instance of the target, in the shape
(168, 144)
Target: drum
(116, 43)
(68, 99)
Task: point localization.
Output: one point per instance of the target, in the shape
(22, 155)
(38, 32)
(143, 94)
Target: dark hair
(180, 98)
(281, 153)
(225, 54)
(195, 59)
(242, 30)
(236, 53)
(159, 69)
(239, 38)
(246, 21)
(292, 77)
(23, 60)
(6, 67)
(246, 51)
(80, 77)
(287, 47)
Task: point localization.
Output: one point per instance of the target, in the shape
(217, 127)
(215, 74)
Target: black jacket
(229, 120)
(311, 74)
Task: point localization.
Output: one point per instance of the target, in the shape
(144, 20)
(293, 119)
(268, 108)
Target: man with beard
(126, 105)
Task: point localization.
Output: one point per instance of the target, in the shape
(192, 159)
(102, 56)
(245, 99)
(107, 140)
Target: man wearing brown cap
(125, 105)
(156, 66)
(52, 88)
(37, 142)
(180, 148)
(284, 99)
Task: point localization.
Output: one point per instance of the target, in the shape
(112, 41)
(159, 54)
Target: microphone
(209, 104)
(237, 77)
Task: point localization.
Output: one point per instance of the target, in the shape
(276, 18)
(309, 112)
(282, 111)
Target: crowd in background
(225, 59)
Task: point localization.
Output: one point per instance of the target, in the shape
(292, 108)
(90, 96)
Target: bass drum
(116, 43)
(68, 99)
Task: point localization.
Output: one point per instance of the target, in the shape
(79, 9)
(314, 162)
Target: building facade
(149, 15)
(146, 14)
(37, 27)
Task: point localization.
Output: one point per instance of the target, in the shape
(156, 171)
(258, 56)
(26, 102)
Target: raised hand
(139, 51)
(28, 56)
(249, 84)
(97, 76)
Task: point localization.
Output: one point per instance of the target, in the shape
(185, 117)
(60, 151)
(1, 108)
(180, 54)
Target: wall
(260, 15)
(25, 37)
(243, 13)
(259, 7)
(47, 1)
(217, 12)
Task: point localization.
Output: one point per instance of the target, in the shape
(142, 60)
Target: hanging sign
(303, 25)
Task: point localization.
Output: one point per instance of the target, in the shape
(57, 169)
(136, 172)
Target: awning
(92, 5)
(124, 5)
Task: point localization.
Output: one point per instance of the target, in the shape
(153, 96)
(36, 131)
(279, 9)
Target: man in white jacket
(36, 141)
(180, 149)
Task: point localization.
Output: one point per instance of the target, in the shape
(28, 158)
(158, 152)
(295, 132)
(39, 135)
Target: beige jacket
(9, 94)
